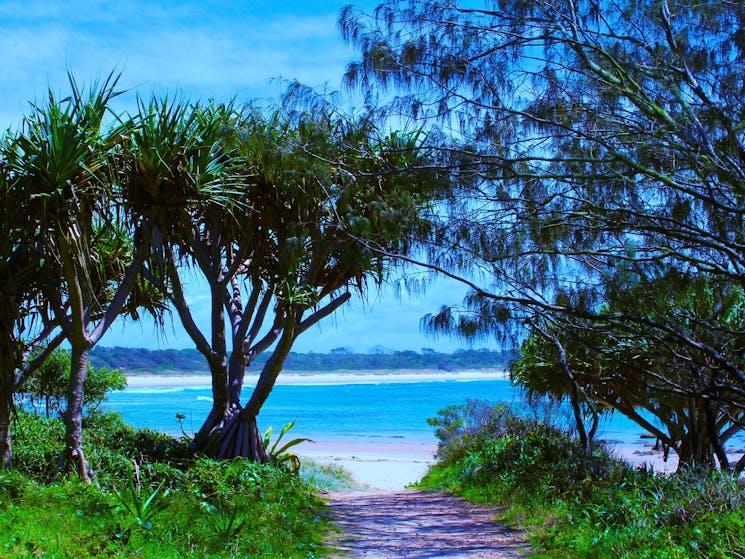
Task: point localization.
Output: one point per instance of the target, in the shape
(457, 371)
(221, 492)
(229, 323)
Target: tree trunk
(236, 374)
(8, 366)
(229, 431)
(73, 453)
(579, 420)
(6, 451)
(237, 434)
(222, 407)
(697, 449)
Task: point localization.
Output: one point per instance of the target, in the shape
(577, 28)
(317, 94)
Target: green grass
(586, 506)
(151, 500)
(327, 477)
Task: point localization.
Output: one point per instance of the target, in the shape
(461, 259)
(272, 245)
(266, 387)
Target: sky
(240, 49)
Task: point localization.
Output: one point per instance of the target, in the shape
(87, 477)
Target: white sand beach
(375, 465)
(335, 377)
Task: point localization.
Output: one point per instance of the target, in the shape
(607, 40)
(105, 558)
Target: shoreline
(394, 464)
(301, 378)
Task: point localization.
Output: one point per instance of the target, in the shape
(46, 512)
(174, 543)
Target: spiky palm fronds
(176, 165)
(59, 165)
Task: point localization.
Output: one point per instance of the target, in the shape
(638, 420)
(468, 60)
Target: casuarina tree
(594, 142)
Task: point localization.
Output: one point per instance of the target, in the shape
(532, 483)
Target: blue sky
(228, 49)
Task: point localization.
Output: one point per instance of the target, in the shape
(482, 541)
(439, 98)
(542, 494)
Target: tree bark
(575, 397)
(221, 405)
(6, 450)
(237, 434)
(236, 374)
(74, 415)
(697, 449)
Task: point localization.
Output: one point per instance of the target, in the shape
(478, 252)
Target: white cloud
(201, 49)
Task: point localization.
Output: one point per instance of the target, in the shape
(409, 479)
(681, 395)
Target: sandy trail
(409, 524)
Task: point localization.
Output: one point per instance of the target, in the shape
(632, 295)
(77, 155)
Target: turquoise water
(351, 412)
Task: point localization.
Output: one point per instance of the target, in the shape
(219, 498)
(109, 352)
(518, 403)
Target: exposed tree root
(237, 436)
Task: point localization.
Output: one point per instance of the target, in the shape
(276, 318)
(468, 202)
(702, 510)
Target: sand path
(418, 525)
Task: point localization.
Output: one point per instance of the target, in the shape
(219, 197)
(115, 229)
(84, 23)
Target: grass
(152, 499)
(582, 505)
(327, 477)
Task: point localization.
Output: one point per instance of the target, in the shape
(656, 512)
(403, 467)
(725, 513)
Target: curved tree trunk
(579, 421)
(73, 453)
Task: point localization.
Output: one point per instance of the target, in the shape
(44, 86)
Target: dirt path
(418, 525)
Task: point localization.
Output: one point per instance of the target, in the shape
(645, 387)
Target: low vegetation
(579, 504)
(151, 498)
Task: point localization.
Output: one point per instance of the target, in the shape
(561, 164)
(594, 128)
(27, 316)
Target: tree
(64, 168)
(21, 271)
(643, 374)
(49, 385)
(547, 369)
(594, 141)
(310, 188)
(185, 167)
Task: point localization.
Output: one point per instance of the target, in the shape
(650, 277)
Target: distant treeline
(191, 361)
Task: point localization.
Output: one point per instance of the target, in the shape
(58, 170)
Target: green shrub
(111, 445)
(46, 390)
(38, 443)
(200, 507)
(328, 477)
(12, 485)
(584, 505)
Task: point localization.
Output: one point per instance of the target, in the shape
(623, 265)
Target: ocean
(378, 411)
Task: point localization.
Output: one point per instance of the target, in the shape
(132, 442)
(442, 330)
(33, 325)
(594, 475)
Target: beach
(374, 465)
(391, 466)
(315, 378)
(365, 432)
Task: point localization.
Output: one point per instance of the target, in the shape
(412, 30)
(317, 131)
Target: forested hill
(168, 361)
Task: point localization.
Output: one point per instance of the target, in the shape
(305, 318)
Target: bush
(486, 440)
(38, 444)
(328, 477)
(46, 390)
(584, 505)
(111, 445)
(205, 508)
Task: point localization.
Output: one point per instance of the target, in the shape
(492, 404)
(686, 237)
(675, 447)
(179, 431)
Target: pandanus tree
(21, 329)
(185, 176)
(286, 251)
(64, 166)
(328, 204)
